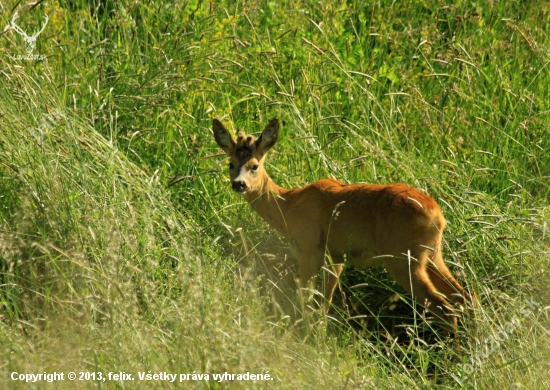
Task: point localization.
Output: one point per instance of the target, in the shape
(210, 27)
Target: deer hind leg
(415, 279)
(444, 281)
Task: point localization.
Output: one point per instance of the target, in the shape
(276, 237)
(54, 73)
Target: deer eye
(255, 167)
(231, 166)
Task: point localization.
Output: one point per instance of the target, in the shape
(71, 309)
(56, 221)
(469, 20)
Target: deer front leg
(310, 262)
(332, 275)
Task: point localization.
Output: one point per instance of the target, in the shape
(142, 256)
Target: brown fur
(392, 225)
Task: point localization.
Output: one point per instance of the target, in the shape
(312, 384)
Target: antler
(42, 29)
(16, 27)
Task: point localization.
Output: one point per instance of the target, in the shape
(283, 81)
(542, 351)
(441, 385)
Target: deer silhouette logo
(30, 41)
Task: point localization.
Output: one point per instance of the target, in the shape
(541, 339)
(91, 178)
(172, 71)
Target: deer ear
(222, 136)
(269, 137)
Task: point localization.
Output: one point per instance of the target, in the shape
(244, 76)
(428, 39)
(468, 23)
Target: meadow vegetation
(122, 248)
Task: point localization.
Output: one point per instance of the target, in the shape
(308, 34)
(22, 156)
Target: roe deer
(392, 225)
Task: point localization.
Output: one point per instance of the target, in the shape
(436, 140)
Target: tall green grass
(123, 249)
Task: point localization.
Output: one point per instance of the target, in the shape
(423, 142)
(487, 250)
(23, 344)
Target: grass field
(122, 248)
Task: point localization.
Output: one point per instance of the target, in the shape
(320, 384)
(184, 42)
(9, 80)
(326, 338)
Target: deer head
(30, 42)
(246, 156)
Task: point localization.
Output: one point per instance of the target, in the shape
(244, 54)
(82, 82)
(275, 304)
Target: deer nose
(239, 186)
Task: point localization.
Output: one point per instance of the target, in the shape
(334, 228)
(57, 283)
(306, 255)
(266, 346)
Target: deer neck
(269, 202)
